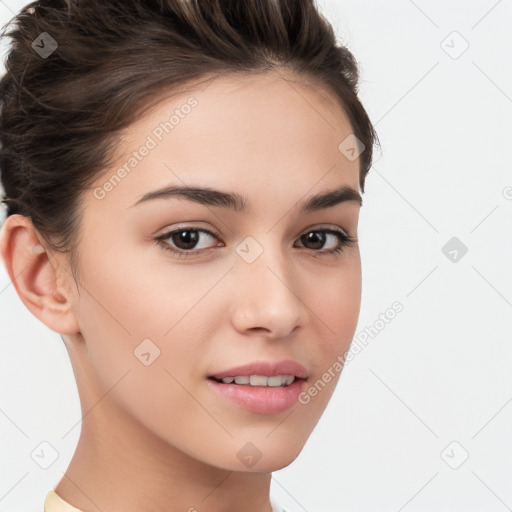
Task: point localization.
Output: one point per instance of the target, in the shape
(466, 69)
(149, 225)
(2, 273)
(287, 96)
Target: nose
(267, 298)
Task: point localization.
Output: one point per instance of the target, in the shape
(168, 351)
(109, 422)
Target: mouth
(263, 373)
(274, 381)
(261, 387)
(259, 397)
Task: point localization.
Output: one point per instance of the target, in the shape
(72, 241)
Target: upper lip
(268, 369)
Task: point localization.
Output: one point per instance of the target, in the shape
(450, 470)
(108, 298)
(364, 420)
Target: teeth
(258, 380)
(261, 380)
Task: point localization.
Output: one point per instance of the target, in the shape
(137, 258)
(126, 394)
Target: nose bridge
(268, 298)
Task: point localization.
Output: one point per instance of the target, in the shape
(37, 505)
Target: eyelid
(211, 231)
(167, 233)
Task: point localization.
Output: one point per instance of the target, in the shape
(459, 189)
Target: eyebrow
(234, 201)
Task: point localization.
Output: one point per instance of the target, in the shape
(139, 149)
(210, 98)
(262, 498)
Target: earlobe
(33, 271)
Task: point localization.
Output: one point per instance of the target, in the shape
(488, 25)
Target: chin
(264, 455)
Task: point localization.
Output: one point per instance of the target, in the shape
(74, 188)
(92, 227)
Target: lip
(265, 368)
(260, 399)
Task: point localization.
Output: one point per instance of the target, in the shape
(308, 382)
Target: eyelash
(344, 240)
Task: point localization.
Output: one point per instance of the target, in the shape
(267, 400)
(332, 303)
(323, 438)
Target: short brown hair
(61, 113)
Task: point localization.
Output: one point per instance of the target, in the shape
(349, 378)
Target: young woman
(182, 185)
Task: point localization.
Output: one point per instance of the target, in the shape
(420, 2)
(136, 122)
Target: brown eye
(317, 238)
(183, 241)
(186, 239)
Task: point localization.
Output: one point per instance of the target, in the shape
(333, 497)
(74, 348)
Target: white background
(440, 371)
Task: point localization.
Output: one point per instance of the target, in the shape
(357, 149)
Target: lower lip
(261, 399)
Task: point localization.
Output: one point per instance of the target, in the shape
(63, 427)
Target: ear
(35, 272)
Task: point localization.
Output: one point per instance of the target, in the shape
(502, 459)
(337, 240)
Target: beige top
(54, 503)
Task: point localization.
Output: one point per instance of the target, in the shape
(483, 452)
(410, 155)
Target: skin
(156, 437)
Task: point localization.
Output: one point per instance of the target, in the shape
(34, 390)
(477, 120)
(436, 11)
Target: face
(177, 288)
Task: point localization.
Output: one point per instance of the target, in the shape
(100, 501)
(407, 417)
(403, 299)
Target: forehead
(270, 132)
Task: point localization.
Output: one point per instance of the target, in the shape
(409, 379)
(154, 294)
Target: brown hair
(61, 111)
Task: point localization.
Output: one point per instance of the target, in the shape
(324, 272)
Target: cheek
(160, 314)
(125, 296)
(335, 312)
(335, 303)
(140, 345)
(342, 306)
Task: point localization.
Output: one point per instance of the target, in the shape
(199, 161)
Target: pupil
(187, 238)
(316, 238)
